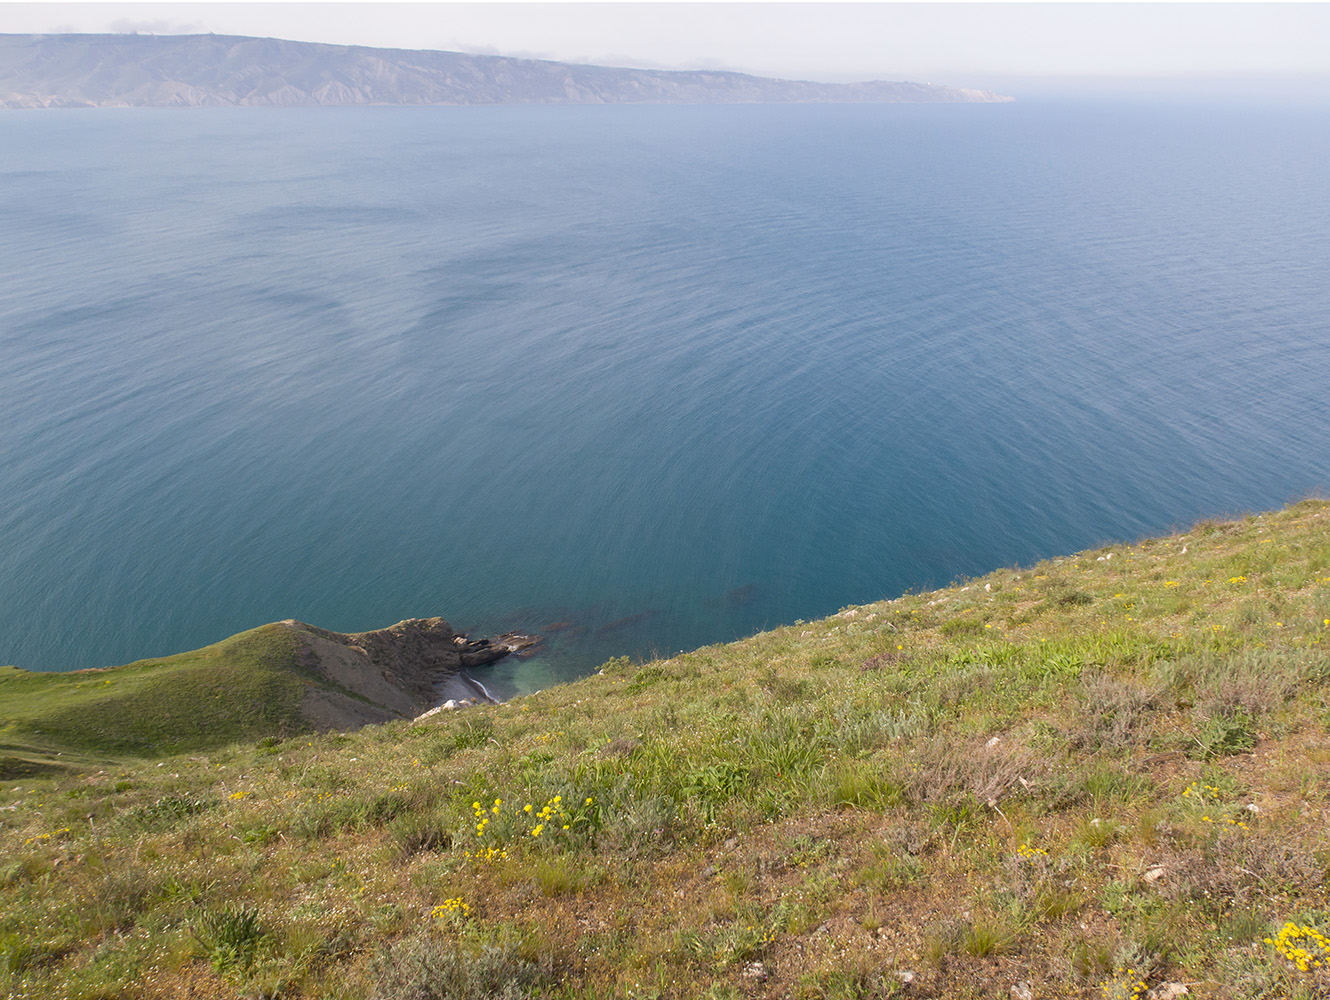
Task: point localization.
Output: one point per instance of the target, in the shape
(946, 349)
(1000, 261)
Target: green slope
(1097, 776)
(244, 687)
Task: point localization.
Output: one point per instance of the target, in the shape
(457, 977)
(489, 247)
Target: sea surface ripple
(662, 376)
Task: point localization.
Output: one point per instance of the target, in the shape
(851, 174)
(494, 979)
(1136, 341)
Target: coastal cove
(636, 379)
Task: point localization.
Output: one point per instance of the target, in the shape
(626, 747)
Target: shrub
(1096, 834)
(412, 836)
(1223, 737)
(19, 953)
(469, 733)
(170, 810)
(950, 773)
(726, 945)
(1106, 783)
(713, 785)
(1091, 957)
(1060, 593)
(1064, 664)
(426, 968)
(262, 834)
(646, 677)
(959, 628)
(1119, 713)
(121, 896)
(942, 941)
(890, 871)
(229, 937)
(383, 809)
(862, 785)
(787, 690)
(987, 937)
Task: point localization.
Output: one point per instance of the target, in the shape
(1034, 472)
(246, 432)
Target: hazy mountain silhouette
(77, 70)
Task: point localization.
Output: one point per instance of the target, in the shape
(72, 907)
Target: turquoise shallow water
(664, 376)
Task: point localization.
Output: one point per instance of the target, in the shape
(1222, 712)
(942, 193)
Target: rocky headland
(402, 671)
(84, 70)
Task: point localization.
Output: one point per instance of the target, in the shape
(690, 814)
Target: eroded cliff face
(396, 672)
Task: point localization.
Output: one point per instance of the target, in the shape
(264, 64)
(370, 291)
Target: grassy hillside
(247, 686)
(1103, 775)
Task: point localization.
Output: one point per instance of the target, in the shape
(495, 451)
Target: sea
(639, 379)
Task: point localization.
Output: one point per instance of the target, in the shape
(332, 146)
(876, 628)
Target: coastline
(459, 690)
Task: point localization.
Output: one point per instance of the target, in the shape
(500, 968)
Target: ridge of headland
(126, 70)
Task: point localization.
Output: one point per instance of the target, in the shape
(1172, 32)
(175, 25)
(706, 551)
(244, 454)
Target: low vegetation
(246, 687)
(1107, 775)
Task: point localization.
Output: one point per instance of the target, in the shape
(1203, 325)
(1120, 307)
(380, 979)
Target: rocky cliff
(396, 672)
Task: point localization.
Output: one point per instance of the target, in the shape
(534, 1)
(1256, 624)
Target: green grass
(245, 687)
(1057, 775)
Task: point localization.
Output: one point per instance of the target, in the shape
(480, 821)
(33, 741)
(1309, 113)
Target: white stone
(1168, 991)
(755, 970)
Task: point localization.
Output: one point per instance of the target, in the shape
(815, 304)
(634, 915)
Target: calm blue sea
(661, 376)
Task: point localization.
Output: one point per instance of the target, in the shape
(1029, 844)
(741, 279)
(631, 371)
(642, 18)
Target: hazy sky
(961, 43)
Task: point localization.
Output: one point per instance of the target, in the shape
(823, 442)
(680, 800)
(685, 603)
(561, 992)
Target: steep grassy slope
(247, 686)
(1105, 774)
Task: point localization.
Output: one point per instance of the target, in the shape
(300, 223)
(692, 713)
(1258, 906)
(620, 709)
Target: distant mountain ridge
(76, 70)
